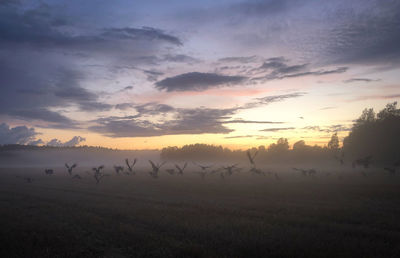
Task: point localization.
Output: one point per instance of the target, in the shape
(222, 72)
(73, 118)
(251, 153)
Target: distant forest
(373, 134)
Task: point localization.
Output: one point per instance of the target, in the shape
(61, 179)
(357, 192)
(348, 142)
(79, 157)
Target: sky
(151, 74)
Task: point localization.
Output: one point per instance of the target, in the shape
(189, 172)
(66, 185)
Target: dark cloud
(196, 81)
(238, 136)
(277, 68)
(16, 135)
(277, 129)
(179, 58)
(329, 128)
(59, 120)
(153, 109)
(41, 52)
(71, 143)
(36, 142)
(239, 121)
(124, 106)
(359, 80)
(271, 99)
(365, 36)
(144, 33)
(262, 8)
(185, 121)
(326, 108)
(377, 96)
(180, 120)
(239, 59)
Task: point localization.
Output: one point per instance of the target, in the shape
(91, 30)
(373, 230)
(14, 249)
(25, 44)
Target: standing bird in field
(341, 158)
(49, 171)
(130, 166)
(118, 169)
(230, 169)
(391, 170)
(70, 168)
(76, 177)
(181, 169)
(170, 171)
(365, 162)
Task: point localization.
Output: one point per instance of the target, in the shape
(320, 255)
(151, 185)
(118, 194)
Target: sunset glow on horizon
(152, 74)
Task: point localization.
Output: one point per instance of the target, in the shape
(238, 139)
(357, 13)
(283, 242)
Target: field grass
(343, 214)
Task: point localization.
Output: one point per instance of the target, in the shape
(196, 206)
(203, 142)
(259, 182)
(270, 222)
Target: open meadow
(336, 212)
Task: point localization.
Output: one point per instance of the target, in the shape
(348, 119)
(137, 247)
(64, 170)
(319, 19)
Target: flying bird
(203, 167)
(251, 157)
(70, 168)
(130, 166)
(181, 169)
(156, 168)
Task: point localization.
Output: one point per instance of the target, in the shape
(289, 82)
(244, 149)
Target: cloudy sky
(148, 74)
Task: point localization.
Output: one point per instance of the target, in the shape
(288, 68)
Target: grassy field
(337, 213)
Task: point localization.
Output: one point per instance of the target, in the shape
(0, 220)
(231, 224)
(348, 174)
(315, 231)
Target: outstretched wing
(249, 157)
(127, 163)
(74, 166)
(66, 165)
(153, 165)
(162, 164)
(134, 162)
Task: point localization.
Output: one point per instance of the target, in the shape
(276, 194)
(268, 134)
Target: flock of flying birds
(205, 170)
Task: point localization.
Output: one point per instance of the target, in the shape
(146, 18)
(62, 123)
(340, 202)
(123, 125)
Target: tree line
(372, 134)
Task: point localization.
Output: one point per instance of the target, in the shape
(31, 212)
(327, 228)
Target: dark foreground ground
(341, 215)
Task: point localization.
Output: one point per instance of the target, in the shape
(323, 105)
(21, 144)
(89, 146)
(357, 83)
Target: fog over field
(214, 128)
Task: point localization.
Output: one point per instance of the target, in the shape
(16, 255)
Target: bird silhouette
(98, 175)
(365, 162)
(156, 168)
(203, 168)
(118, 169)
(391, 170)
(251, 157)
(181, 169)
(170, 171)
(304, 172)
(230, 169)
(130, 166)
(49, 171)
(70, 168)
(28, 179)
(257, 171)
(340, 158)
(76, 177)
